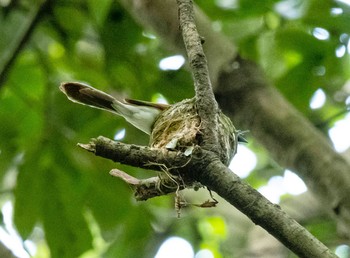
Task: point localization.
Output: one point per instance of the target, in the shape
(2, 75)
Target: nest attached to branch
(179, 128)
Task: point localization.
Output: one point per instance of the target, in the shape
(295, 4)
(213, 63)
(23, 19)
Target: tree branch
(205, 101)
(252, 103)
(204, 165)
(206, 168)
(145, 189)
(159, 159)
(135, 155)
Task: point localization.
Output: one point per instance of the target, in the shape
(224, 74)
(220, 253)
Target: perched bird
(141, 114)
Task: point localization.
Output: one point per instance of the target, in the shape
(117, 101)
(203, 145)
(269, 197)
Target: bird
(139, 113)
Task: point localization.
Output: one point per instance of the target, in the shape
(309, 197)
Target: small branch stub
(90, 147)
(145, 189)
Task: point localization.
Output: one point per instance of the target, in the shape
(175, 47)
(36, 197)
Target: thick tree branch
(135, 155)
(206, 168)
(159, 159)
(205, 101)
(253, 104)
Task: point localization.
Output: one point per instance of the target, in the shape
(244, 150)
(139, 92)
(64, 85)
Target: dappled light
(278, 186)
(204, 253)
(336, 11)
(290, 9)
(244, 162)
(340, 51)
(318, 99)
(10, 237)
(347, 2)
(172, 63)
(175, 247)
(320, 33)
(119, 135)
(339, 134)
(342, 251)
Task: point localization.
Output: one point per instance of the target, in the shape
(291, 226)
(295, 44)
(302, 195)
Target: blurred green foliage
(67, 191)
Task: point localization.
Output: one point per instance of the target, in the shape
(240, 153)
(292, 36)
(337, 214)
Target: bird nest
(179, 128)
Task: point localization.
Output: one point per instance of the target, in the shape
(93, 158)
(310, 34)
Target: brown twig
(145, 189)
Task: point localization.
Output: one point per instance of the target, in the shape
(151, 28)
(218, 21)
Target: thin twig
(9, 56)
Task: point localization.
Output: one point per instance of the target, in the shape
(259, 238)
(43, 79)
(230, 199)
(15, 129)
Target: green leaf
(108, 199)
(134, 237)
(28, 192)
(72, 19)
(99, 10)
(66, 229)
(10, 115)
(55, 197)
(251, 7)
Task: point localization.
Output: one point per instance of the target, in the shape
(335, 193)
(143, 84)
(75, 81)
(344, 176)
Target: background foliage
(64, 201)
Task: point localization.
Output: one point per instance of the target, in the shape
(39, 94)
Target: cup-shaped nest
(179, 128)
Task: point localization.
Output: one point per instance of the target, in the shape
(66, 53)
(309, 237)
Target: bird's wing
(146, 103)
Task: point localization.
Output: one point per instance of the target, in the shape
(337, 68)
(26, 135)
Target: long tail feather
(84, 94)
